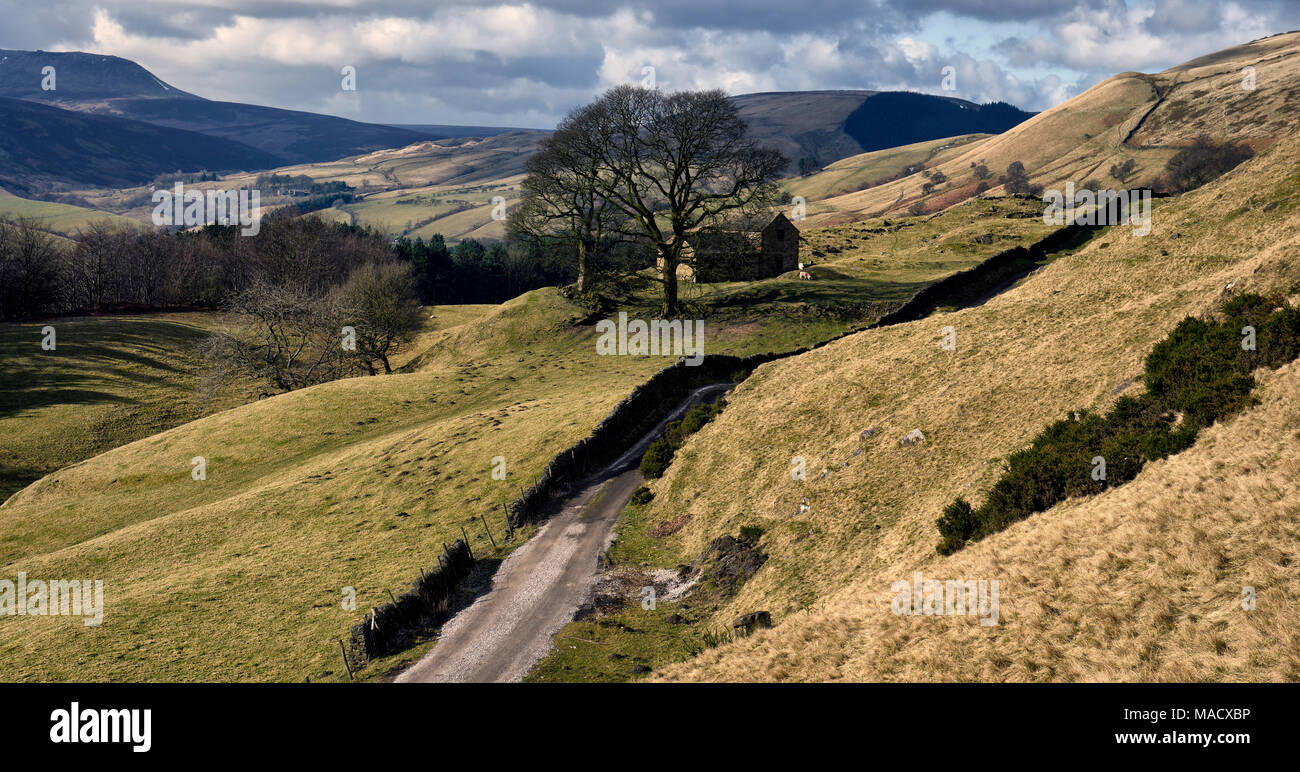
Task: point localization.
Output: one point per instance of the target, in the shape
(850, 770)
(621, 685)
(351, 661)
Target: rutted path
(538, 589)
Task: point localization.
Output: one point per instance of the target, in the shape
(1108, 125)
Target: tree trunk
(582, 265)
(669, 256)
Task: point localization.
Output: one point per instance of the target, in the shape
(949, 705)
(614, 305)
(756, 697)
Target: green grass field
(61, 219)
(109, 381)
(355, 483)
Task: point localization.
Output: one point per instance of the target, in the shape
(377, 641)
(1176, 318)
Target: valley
(938, 321)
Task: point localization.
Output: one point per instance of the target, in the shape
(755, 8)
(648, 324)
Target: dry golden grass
(1079, 140)
(1140, 583)
(856, 172)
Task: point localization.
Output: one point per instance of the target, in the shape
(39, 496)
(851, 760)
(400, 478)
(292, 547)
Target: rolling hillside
(1131, 116)
(1143, 582)
(43, 144)
(112, 86)
(357, 483)
(825, 126)
(61, 219)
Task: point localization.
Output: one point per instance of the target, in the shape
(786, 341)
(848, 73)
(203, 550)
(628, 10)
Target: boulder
(912, 438)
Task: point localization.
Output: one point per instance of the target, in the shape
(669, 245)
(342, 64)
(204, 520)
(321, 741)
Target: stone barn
(725, 255)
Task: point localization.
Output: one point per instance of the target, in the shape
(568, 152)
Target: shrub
(660, 453)
(642, 495)
(657, 458)
(1200, 373)
(1016, 181)
(1123, 171)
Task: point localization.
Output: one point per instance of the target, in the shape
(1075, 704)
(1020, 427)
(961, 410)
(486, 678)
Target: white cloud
(457, 61)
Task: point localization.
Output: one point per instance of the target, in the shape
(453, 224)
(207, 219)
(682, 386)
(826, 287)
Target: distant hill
(1130, 117)
(826, 126)
(42, 144)
(818, 127)
(444, 131)
(110, 85)
(894, 118)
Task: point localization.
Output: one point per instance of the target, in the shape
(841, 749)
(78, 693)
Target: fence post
(489, 531)
(346, 664)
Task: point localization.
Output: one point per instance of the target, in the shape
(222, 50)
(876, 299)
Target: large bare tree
(670, 163)
(562, 203)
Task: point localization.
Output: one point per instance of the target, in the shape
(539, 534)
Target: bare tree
(282, 334)
(28, 279)
(562, 201)
(94, 265)
(378, 302)
(673, 163)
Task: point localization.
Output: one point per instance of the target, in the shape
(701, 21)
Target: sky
(481, 62)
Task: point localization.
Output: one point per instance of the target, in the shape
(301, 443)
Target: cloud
(527, 63)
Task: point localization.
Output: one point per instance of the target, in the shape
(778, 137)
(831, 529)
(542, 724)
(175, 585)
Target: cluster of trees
(114, 268)
(287, 335)
(639, 170)
(1203, 162)
(1016, 181)
(473, 271)
(292, 289)
(271, 182)
(1124, 170)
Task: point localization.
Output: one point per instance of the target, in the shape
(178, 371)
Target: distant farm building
(730, 255)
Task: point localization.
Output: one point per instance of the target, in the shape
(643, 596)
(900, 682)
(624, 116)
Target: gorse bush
(1200, 373)
(660, 453)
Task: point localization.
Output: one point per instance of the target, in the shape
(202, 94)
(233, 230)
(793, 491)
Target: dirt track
(537, 590)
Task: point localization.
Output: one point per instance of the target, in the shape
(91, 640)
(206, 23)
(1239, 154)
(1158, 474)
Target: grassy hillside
(866, 169)
(1131, 116)
(109, 381)
(63, 219)
(357, 483)
(1143, 582)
